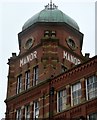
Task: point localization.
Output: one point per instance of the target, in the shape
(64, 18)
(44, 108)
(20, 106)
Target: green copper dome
(50, 14)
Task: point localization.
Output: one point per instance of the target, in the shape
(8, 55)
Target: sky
(13, 15)
(96, 27)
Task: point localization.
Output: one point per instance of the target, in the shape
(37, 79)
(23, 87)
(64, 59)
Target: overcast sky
(13, 15)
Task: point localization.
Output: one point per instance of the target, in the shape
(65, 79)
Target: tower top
(52, 14)
(51, 6)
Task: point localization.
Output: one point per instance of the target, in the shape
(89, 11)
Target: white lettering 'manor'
(71, 58)
(28, 58)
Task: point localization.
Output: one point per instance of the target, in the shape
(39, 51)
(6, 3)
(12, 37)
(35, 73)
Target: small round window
(29, 43)
(71, 43)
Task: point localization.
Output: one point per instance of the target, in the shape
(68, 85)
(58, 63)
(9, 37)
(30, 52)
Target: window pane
(27, 112)
(96, 93)
(27, 79)
(18, 114)
(93, 116)
(79, 92)
(36, 109)
(35, 77)
(91, 87)
(76, 93)
(95, 85)
(62, 99)
(19, 84)
(74, 101)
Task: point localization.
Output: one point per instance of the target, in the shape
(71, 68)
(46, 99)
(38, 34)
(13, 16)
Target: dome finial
(51, 6)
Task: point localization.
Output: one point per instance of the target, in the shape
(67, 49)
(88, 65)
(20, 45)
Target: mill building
(50, 78)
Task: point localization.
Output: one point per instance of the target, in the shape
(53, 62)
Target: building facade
(50, 78)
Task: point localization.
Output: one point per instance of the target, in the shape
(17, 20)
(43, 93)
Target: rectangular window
(35, 77)
(36, 110)
(18, 114)
(91, 84)
(61, 100)
(92, 116)
(27, 80)
(76, 93)
(19, 84)
(27, 112)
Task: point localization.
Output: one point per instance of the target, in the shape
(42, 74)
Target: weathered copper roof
(50, 14)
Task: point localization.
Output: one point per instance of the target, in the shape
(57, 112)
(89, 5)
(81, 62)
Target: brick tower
(47, 79)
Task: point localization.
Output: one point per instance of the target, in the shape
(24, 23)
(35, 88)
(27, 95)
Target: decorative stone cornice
(75, 70)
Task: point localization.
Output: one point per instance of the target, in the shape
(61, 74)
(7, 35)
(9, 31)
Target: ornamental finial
(51, 6)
